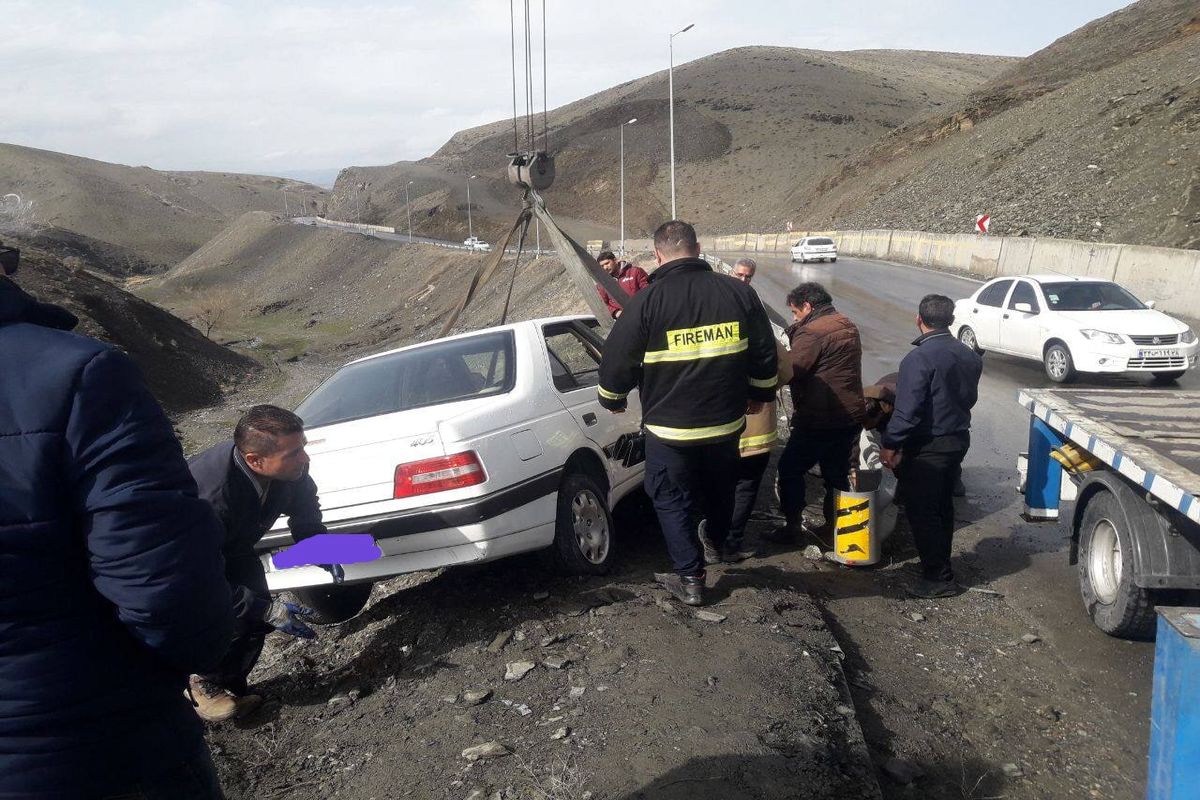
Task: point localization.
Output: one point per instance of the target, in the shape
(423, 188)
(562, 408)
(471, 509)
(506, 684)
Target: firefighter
(699, 349)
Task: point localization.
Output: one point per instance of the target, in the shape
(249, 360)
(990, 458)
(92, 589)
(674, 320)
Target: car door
(1021, 331)
(574, 351)
(986, 312)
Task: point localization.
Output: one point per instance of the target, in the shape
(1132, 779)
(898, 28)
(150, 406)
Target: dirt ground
(634, 696)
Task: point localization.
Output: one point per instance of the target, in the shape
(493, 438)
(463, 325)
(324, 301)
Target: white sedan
(475, 243)
(814, 248)
(463, 450)
(1075, 325)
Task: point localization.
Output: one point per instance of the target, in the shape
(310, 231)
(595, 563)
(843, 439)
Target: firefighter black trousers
(686, 484)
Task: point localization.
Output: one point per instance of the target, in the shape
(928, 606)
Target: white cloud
(253, 86)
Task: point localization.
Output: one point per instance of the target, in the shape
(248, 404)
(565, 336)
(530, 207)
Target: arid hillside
(1096, 137)
(184, 369)
(741, 115)
(128, 220)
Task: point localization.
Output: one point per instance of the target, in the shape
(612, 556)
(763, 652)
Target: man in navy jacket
(928, 437)
(112, 587)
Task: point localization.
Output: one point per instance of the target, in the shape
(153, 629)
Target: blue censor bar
(1043, 482)
(1175, 714)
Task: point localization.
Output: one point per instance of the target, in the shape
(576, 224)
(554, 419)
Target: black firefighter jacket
(698, 346)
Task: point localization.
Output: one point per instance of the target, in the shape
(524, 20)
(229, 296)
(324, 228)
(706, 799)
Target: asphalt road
(1027, 562)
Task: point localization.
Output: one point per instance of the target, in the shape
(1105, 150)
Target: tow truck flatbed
(1152, 438)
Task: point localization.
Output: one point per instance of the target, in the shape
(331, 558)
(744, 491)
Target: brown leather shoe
(214, 704)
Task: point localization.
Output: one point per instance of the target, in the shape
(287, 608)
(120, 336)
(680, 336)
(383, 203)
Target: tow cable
(531, 168)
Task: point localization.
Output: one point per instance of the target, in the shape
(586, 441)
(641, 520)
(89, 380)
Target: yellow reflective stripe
(758, 441)
(692, 434)
(694, 352)
(764, 383)
(607, 395)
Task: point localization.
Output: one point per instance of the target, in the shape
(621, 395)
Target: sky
(281, 87)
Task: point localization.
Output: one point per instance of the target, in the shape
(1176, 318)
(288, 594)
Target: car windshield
(1089, 296)
(442, 372)
(820, 240)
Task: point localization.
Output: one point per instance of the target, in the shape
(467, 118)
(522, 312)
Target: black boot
(688, 590)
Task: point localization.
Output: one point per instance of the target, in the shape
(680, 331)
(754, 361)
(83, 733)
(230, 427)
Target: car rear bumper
(814, 256)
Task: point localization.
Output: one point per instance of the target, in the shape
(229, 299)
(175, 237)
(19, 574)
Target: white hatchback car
(815, 248)
(475, 243)
(1075, 325)
(463, 450)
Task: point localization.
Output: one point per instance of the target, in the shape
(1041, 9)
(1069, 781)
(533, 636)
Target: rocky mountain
(128, 220)
(752, 125)
(1096, 137)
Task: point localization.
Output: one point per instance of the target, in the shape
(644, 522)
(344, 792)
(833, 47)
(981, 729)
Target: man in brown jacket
(827, 395)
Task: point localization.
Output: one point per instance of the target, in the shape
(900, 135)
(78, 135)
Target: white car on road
(463, 450)
(814, 248)
(1075, 325)
(475, 243)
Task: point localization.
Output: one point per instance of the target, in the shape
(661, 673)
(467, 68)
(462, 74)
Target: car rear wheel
(1169, 377)
(966, 335)
(334, 604)
(834, 260)
(1059, 365)
(584, 527)
(1116, 605)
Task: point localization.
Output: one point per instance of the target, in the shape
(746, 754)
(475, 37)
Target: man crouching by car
(250, 482)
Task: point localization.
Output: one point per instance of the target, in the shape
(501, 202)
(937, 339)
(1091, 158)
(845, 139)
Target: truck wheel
(1060, 367)
(334, 604)
(583, 527)
(1116, 605)
(966, 335)
(1169, 377)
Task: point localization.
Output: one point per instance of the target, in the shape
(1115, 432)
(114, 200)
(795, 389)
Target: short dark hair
(937, 311)
(606, 255)
(674, 237)
(258, 427)
(812, 293)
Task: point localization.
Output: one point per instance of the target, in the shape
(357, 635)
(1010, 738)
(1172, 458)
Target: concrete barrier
(1016, 256)
(1171, 278)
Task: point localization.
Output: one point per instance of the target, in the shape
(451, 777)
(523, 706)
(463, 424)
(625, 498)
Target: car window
(994, 294)
(574, 361)
(1089, 296)
(441, 372)
(1024, 293)
(820, 240)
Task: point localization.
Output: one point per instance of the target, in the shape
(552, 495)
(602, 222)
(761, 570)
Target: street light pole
(408, 208)
(622, 128)
(671, 103)
(470, 227)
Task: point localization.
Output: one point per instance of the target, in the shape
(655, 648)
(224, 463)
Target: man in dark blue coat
(112, 587)
(250, 482)
(928, 437)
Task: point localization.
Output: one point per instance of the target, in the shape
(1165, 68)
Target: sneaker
(925, 589)
(689, 590)
(711, 554)
(787, 533)
(735, 551)
(214, 704)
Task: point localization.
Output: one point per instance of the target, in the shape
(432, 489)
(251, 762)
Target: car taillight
(438, 475)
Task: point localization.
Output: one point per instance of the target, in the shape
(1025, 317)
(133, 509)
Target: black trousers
(686, 484)
(927, 474)
(243, 569)
(805, 449)
(749, 478)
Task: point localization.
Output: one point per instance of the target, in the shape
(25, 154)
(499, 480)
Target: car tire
(583, 530)
(1058, 363)
(834, 260)
(1169, 377)
(966, 335)
(334, 604)
(1116, 605)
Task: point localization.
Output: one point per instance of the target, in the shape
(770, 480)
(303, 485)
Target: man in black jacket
(699, 348)
(928, 437)
(250, 482)
(111, 584)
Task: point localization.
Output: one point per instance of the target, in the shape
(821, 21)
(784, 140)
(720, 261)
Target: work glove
(336, 570)
(288, 618)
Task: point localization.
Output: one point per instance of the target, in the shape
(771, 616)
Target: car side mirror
(1151, 304)
(1024, 308)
